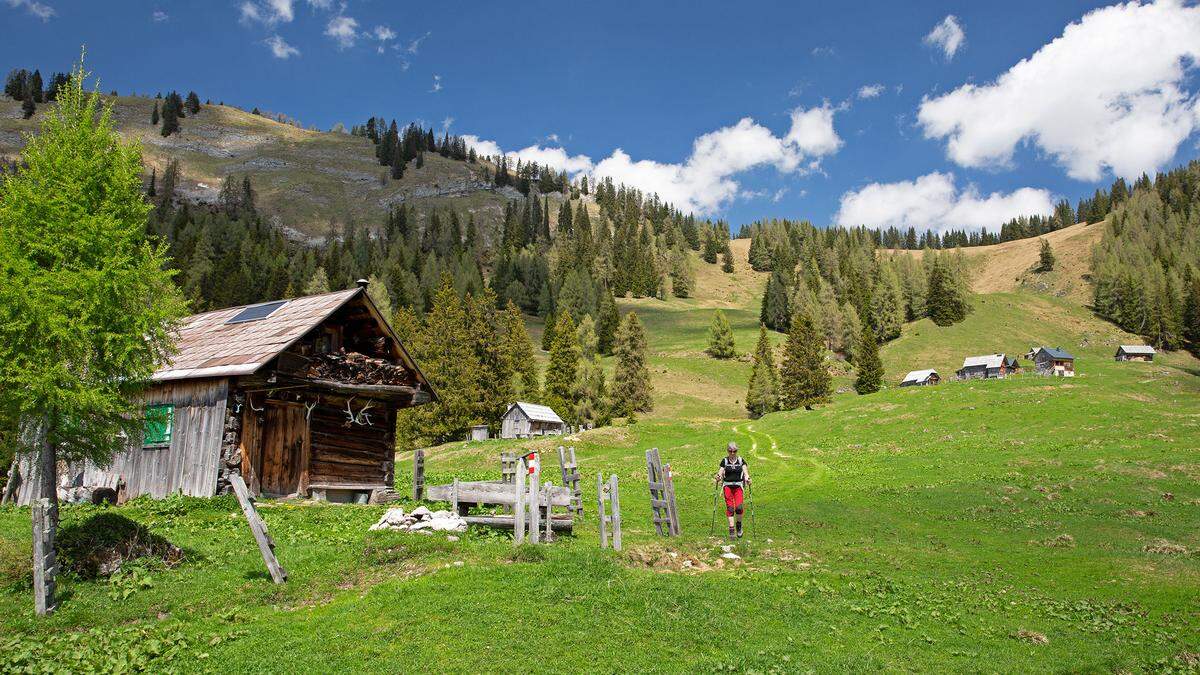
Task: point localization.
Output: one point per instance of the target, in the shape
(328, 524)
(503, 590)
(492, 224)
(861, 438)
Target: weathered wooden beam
(418, 485)
(507, 522)
(266, 545)
(600, 510)
(615, 501)
(45, 563)
(14, 479)
(492, 492)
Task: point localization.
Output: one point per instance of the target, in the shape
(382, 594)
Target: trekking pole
(750, 496)
(712, 522)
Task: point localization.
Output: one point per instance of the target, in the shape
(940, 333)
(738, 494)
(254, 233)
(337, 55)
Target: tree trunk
(45, 526)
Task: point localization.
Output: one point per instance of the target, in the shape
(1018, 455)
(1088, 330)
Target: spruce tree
(870, 367)
(318, 284)
(28, 107)
(1045, 256)
(762, 392)
(720, 338)
(631, 391)
(35, 86)
(563, 369)
(775, 312)
(607, 323)
(683, 279)
(945, 304)
(727, 259)
(804, 381)
(519, 351)
(592, 407)
(192, 104)
(154, 115)
(170, 115)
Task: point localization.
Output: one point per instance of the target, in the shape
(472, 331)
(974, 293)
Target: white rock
(423, 525)
(452, 538)
(421, 513)
(731, 556)
(458, 563)
(442, 514)
(727, 548)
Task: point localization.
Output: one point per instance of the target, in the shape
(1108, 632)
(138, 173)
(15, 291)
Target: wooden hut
(299, 396)
(523, 420)
(921, 378)
(988, 366)
(1135, 353)
(1053, 361)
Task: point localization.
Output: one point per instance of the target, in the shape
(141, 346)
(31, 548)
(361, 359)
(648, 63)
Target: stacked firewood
(356, 368)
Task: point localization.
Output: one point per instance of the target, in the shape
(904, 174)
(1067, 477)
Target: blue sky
(882, 113)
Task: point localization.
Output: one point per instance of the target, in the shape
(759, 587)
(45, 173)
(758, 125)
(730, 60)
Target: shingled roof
(210, 346)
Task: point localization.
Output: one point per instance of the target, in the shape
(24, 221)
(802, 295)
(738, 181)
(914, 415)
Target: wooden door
(285, 449)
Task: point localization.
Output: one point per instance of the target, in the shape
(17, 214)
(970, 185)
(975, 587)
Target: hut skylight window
(257, 312)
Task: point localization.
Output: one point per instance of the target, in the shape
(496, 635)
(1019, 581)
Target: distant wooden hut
(921, 378)
(524, 420)
(299, 396)
(1053, 361)
(988, 366)
(1135, 353)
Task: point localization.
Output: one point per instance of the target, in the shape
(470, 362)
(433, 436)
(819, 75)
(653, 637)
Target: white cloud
(447, 123)
(159, 16)
(437, 84)
(281, 49)
(414, 45)
(934, 202)
(948, 36)
(823, 51)
(267, 12)
(343, 29)
(40, 10)
(779, 194)
(1110, 92)
(870, 90)
(705, 180)
(383, 33)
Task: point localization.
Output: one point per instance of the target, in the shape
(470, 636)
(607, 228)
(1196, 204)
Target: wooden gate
(662, 494)
(283, 468)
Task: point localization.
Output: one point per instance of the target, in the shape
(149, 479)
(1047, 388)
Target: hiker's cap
(732, 447)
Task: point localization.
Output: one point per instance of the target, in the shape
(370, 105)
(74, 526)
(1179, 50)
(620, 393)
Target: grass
(1016, 525)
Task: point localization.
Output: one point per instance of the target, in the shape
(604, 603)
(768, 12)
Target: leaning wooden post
(600, 488)
(615, 502)
(45, 561)
(10, 488)
(266, 545)
(672, 512)
(418, 474)
(535, 491)
(519, 503)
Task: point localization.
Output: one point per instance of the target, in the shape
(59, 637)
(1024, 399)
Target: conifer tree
(28, 107)
(945, 303)
(519, 351)
(1045, 256)
(563, 369)
(631, 391)
(683, 278)
(170, 115)
(762, 393)
(804, 381)
(586, 333)
(775, 311)
(887, 306)
(378, 291)
(318, 284)
(870, 367)
(607, 323)
(192, 104)
(592, 407)
(720, 338)
(35, 86)
(154, 115)
(727, 259)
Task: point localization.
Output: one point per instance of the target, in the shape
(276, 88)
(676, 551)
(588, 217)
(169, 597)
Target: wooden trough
(464, 494)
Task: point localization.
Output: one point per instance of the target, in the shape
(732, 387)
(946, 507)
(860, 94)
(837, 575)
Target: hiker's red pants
(733, 499)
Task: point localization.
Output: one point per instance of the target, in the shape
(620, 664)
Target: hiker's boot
(733, 534)
(739, 529)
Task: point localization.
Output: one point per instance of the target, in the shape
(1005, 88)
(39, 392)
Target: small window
(160, 422)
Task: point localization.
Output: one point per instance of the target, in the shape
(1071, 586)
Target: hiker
(734, 477)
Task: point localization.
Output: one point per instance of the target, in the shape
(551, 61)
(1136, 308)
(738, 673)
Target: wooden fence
(662, 494)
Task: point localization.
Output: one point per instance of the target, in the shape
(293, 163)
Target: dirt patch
(1164, 547)
(662, 559)
(1032, 637)
(1061, 541)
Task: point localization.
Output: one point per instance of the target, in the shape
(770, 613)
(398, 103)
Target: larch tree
(762, 393)
(804, 381)
(631, 391)
(720, 338)
(318, 284)
(87, 307)
(870, 368)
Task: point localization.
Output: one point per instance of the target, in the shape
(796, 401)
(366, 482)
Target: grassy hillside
(305, 179)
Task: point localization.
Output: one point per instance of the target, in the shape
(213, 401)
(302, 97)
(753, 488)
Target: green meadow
(1029, 524)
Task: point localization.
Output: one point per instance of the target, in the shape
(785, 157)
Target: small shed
(921, 378)
(523, 420)
(1054, 361)
(988, 366)
(479, 432)
(1135, 353)
(299, 396)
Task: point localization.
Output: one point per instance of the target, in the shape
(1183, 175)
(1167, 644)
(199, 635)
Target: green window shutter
(160, 422)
